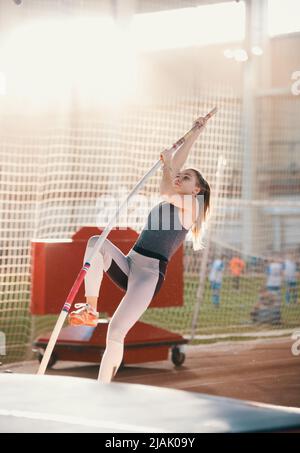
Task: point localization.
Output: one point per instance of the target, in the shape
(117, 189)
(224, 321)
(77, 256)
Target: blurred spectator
(216, 278)
(290, 278)
(274, 275)
(267, 309)
(237, 266)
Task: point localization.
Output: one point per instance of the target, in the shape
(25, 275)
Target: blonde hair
(199, 226)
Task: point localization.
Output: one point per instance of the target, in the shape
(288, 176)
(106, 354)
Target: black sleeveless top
(162, 234)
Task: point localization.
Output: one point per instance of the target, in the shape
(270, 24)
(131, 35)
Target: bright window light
(2, 84)
(201, 25)
(54, 59)
(241, 55)
(284, 16)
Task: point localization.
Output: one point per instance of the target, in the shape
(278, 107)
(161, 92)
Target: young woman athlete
(141, 272)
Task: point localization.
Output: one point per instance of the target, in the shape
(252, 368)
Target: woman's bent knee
(92, 242)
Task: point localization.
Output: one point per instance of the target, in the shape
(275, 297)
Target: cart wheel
(177, 356)
(52, 360)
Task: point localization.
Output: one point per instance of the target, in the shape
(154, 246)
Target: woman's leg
(142, 284)
(111, 260)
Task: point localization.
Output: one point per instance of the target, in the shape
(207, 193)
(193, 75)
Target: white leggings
(141, 276)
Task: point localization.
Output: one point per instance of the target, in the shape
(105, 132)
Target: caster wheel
(52, 361)
(177, 356)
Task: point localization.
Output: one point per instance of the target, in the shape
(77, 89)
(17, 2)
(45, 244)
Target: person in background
(274, 273)
(216, 278)
(290, 278)
(267, 308)
(237, 266)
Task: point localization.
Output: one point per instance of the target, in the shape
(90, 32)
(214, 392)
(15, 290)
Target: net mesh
(57, 164)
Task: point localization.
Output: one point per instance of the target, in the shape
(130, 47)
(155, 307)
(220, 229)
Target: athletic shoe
(85, 315)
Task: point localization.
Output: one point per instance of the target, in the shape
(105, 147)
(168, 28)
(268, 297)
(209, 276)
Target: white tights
(143, 282)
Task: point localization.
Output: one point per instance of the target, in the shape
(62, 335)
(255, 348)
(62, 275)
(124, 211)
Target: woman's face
(185, 183)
